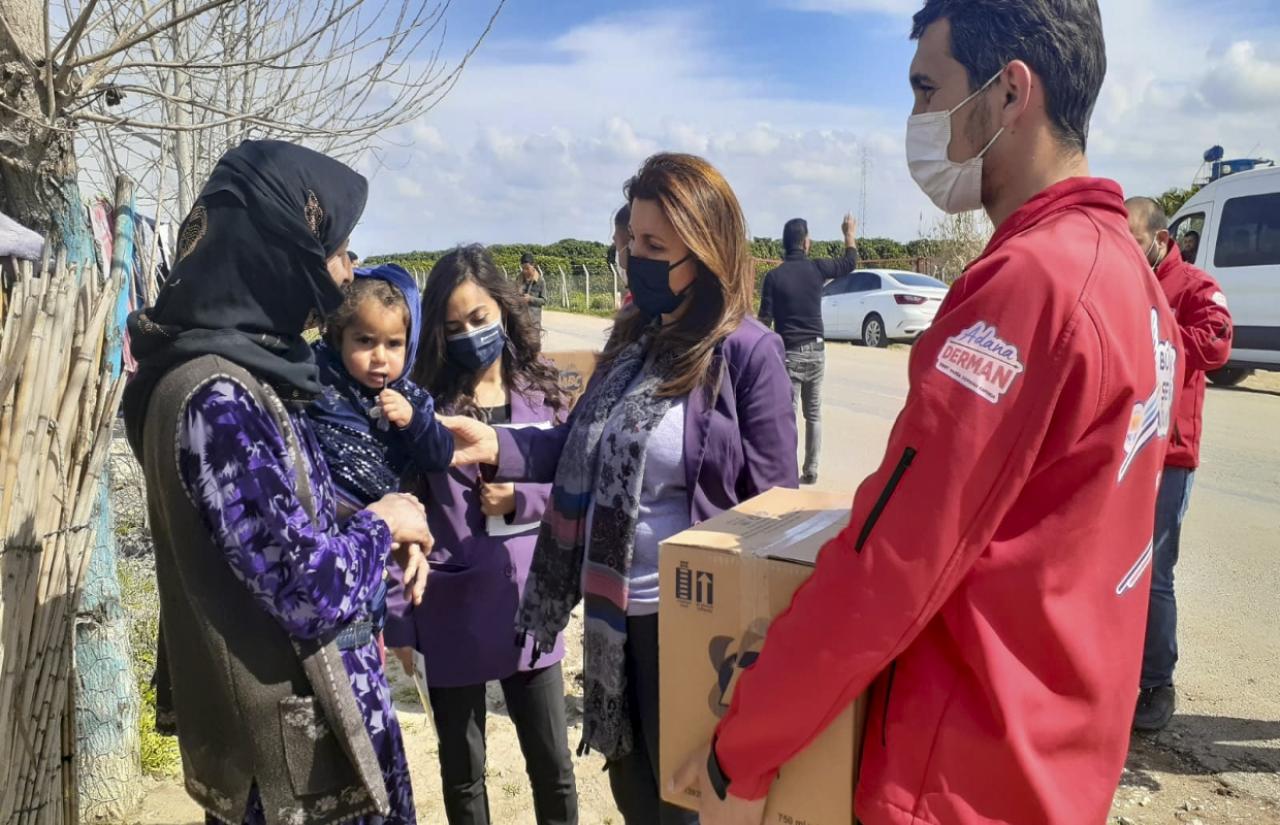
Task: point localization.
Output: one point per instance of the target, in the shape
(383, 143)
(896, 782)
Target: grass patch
(160, 755)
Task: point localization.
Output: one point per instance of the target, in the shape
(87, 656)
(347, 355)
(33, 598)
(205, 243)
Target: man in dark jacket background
(792, 304)
(532, 287)
(1204, 323)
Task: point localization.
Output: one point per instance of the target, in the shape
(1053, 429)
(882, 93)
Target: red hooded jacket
(992, 582)
(1200, 308)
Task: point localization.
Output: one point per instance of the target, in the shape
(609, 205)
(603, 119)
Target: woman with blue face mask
(481, 358)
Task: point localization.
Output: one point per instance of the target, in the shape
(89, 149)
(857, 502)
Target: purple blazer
(738, 443)
(465, 626)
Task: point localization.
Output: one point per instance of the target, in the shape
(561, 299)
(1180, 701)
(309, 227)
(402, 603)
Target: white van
(1237, 222)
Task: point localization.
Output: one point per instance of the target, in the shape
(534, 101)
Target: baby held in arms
(374, 424)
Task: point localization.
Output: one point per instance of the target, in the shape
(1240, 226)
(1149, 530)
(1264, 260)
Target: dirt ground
(1266, 381)
(1159, 786)
(510, 800)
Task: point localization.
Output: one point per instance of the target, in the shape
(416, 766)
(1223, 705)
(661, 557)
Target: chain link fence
(598, 289)
(582, 289)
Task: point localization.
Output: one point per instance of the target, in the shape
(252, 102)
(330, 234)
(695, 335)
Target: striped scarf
(600, 476)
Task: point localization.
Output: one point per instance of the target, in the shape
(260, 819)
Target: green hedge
(569, 254)
(573, 254)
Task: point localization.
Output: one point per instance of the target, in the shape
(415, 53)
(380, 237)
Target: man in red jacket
(1204, 325)
(991, 589)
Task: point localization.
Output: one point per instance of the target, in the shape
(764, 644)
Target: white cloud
(537, 149)
(1242, 80)
(900, 8)
(427, 138)
(1168, 98)
(410, 188)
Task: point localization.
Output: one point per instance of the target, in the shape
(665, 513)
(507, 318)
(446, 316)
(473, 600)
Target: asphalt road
(1228, 724)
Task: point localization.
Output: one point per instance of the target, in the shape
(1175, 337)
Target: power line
(862, 198)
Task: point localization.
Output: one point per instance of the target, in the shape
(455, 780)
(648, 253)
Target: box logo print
(695, 587)
(728, 658)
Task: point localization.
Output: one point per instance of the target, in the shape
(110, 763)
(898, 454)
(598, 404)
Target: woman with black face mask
(481, 358)
(687, 415)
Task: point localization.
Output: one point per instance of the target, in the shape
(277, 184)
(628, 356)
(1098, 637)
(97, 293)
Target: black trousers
(634, 778)
(535, 702)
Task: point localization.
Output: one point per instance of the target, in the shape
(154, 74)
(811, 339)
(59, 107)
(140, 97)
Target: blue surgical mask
(478, 349)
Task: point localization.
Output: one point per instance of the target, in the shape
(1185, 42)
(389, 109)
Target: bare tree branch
(51, 96)
(147, 35)
(71, 40)
(228, 119)
(262, 61)
(343, 76)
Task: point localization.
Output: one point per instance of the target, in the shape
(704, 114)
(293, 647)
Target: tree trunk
(38, 188)
(184, 156)
(37, 165)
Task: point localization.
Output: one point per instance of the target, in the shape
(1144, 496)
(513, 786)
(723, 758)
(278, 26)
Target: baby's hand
(395, 408)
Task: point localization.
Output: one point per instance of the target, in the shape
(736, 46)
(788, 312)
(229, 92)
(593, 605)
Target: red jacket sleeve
(984, 388)
(1205, 324)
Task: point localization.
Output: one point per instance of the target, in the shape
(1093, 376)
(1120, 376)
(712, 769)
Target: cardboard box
(576, 367)
(721, 584)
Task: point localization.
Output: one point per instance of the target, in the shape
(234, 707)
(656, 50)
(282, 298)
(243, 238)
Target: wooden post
(108, 751)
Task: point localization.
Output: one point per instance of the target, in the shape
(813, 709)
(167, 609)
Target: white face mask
(953, 187)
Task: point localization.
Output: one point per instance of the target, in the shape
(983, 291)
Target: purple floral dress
(312, 577)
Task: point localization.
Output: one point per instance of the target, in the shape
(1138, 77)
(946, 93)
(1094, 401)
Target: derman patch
(978, 359)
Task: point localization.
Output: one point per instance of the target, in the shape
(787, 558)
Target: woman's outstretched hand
(473, 441)
(414, 568)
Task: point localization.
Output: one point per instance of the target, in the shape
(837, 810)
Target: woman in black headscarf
(282, 710)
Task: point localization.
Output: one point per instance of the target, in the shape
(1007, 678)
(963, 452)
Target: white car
(1233, 224)
(876, 306)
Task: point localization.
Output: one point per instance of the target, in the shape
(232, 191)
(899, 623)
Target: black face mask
(650, 283)
(477, 350)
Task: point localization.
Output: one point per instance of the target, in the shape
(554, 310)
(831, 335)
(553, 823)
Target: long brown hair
(522, 365)
(705, 213)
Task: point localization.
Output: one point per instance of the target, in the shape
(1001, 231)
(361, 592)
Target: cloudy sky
(787, 97)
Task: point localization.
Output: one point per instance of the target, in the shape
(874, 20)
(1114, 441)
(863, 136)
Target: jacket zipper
(888, 689)
(908, 456)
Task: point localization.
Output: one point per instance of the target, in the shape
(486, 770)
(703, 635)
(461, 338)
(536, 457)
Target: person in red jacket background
(1204, 324)
(991, 589)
